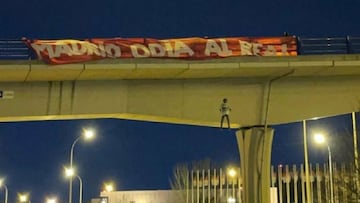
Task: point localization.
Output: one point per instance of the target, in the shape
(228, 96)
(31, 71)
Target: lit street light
(2, 184)
(109, 187)
(320, 139)
(232, 172)
(87, 134)
(51, 200)
(70, 173)
(231, 200)
(23, 198)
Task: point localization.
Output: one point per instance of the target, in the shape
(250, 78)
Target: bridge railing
(15, 49)
(354, 44)
(329, 45)
(310, 46)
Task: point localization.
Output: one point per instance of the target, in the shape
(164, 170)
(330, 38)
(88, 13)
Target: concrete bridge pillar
(255, 144)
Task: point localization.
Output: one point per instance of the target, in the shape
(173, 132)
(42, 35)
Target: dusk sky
(141, 155)
(167, 19)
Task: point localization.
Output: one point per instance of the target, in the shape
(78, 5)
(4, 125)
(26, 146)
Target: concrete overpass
(275, 89)
(260, 90)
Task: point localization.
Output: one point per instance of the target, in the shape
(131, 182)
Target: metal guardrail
(354, 44)
(16, 49)
(311, 46)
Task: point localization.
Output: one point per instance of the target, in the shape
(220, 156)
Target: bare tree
(346, 177)
(180, 181)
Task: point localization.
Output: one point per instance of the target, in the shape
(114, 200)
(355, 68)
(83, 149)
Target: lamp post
(70, 173)
(356, 155)
(307, 175)
(2, 184)
(87, 135)
(80, 188)
(320, 139)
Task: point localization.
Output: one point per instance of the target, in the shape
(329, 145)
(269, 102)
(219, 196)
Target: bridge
(188, 92)
(322, 80)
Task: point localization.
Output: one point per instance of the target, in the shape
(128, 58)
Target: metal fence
(214, 186)
(15, 49)
(217, 186)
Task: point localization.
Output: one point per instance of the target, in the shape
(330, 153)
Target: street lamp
(232, 172)
(231, 200)
(70, 173)
(109, 187)
(307, 173)
(320, 139)
(2, 184)
(87, 134)
(51, 200)
(23, 198)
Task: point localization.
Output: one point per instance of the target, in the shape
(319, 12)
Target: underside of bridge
(259, 89)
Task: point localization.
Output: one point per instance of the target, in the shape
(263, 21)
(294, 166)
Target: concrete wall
(150, 196)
